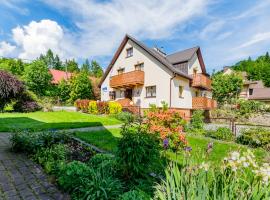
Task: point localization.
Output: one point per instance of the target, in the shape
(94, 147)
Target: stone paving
(22, 179)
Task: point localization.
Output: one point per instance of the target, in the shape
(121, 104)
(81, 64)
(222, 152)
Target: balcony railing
(203, 103)
(201, 81)
(129, 79)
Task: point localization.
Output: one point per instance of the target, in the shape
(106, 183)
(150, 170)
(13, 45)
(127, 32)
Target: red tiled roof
(59, 75)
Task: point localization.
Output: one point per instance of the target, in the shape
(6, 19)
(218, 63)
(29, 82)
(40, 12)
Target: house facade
(143, 76)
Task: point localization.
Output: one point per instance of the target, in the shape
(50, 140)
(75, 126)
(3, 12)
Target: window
(139, 67)
(121, 71)
(112, 95)
(129, 52)
(250, 91)
(181, 90)
(122, 93)
(150, 91)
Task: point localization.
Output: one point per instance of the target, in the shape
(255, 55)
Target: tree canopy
(14, 66)
(96, 69)
(258, 69)
(226, 87)
(52, 61)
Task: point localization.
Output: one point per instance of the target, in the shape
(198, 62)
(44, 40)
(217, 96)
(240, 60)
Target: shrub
(134, 195)
(104, 162)
(197, 119)
(92, 107)
(10, 88)
(102, 107)
(85, 182)
(82, 104)
(248, 107)
(138, 152)
(114, 107)
(168, 125)
(50, 157)
(125, 117)
(27, 102)
(255, 137)
(222, 133)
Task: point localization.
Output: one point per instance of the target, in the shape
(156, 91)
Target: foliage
(86, 67)
(134, 195)
(255, 137)
(258, 69)
(10, 88)
(222, 133)
(51, 61)
(103, 107)
(248, 107)
(49, 158)
(81, 87)
(239, 177)
(114, 107)
(92, 107)
(31, 142)
(71, 66)
(27, 102)
(95, 69)
(168, 125)
(84, 182)
(125, 117)
(63, 90)
(138, 151)
(38, 78)
(197, 119)
(226, 87)
(82, 104)
(104, 162)
(14, 66)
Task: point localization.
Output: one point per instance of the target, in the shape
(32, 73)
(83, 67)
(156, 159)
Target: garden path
(20, 178)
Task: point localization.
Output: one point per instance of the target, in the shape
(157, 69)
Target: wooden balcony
(127, 80)
(203, 103)
(201, 81)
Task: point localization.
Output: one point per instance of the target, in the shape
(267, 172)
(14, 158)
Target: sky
(226, 30)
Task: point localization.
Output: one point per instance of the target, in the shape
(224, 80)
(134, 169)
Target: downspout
(174, 75)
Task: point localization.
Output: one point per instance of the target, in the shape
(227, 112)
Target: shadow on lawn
(25, 123)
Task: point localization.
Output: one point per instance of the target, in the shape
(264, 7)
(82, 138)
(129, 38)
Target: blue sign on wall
(104, 89)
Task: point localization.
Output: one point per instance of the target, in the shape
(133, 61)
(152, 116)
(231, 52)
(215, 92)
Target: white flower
(235, 155)
(204, 166)
(245, 164)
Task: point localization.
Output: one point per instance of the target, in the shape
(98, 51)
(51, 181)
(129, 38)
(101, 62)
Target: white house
(147, 76)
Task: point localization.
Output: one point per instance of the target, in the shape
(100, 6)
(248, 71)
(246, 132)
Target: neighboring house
(253, 90)
(58, 75)
(140, 76)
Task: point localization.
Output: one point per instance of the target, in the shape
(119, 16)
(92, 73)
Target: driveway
(20, 178)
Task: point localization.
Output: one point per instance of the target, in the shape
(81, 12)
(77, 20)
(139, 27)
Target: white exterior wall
(155, 74)
(194, 64)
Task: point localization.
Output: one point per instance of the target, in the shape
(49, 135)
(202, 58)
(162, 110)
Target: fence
(236, 127)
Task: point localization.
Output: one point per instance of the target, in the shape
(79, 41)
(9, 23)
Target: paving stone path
(22, 179)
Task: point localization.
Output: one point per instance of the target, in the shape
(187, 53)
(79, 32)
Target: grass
(107, 140)
(52, 120)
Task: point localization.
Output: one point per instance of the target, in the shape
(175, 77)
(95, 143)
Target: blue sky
(226, 30)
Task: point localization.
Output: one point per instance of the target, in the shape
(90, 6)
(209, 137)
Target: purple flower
(209, 147)
(165, 143)
(188, 149)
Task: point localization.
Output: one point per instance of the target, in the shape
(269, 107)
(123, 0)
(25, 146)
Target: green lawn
(107, 140)
(52, 120)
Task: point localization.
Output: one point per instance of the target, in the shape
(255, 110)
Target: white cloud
(37, 37)
(6, 49)
(14, 5)
(211, 29)
(259, 37)
(103, 24)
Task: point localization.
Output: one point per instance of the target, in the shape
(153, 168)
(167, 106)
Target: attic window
(129, 52)
(121, 71)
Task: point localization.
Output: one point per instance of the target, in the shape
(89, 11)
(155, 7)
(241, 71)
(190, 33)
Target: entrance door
(128, 94)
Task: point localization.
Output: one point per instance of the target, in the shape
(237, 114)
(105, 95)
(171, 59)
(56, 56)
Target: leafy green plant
(255, 137)
(50, 157)
(92, 107)
(104, 162)
(197, 120)
(85, 182)
(138, 151)
(248, 107)
(114, 107)
(134, 195)
(125, 117)
(222, 133)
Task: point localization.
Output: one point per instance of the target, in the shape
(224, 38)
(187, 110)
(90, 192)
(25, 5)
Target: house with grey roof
(140, 76)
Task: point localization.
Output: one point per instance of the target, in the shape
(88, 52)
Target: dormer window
(129, 52)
